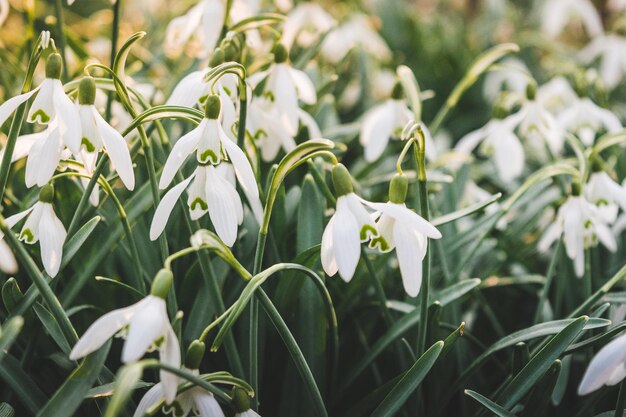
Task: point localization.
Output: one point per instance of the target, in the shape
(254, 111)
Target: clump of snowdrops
(389, 209)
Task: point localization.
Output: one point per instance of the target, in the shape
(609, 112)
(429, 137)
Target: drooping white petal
(602, 365)
(149, 399)
(365, 222)
(169, 354)
(163, 211)
(90, 137)
(508, 156)
(181, 150)
(378, 125)
(182, 28)
(304, 86)
(145, 327)
(8, 264)
(49, 157)
(209, 149)
(23, 145)
(223, 206)
(103, 329)
(552, 233)
(30, 229)
(8, 107)
(406, 217)
(42, 110)
(68, 118)
(189, 90)
(117, 149)
(346, 242)
(410, 249)
(213, 16)
(15, 219)
(206, 404)
(281, 85)
(329, 263)
(197, 201)
(52, 236)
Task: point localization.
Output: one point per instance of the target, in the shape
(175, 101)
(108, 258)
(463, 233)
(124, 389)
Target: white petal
(281, 85)
(304, 86)
(311, 125)
(145, 327)
(23, 145)
(182, 28)
(15, 219)
(223, 206)
(365, 222)
(181, 150)
(552, 233)
(169, 354)
(163, 211)
(8, 107)
(52, 236)
(406, 217)
(207, 405)
(346, 242)
(410, 249)
(30, 229)
(67, 114)
(329, 263)
(42, 110)
(212, 21)
(209, 150)
(50, 156)
(508, 156)
(103, 329)
(149, 399)
(189, 90)
(378, 126)
(8, 264)
(197, 202)
(602, 365)
(117, 148)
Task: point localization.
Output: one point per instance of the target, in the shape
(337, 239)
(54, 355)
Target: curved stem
(62, 41)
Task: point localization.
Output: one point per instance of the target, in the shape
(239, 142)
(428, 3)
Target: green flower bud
(54, 65)
(531, 90)
(162, 283)
(212, 107)
(195, 352)
(217, 58)
(576, 188)
(46, 194)
(87, 91)
(398, 188)
(231, 52)
(280, 53)
(341, 180)
(241, 401)
(396, 91)
(11, 294)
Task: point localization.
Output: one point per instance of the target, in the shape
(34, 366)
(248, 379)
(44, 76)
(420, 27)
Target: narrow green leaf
(51, 325)
(488, 404)
(21, 384)
(126, 381)
(8, 333)
(459, 214)
(411, 380)
(78, 239)
(539, 398)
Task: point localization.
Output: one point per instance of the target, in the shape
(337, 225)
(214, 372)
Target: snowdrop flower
(357, 32)
(204, 21)
(556, 95)
(611, 50)
(582, 226)
(202, 402)
(585, 119)
(305, 24)
(606, 194)
(43, 226)
(556, 14)
(97, 135)
(51, 106)
(284, 85)
(498, 137)
(608, 367)
(241, 404)
(8, 264)
(211, 191)
(404, 230)
(348, 227)
(513, 77)
(538, 125)
(145, 326)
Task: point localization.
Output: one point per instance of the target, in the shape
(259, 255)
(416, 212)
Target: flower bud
(195, 352)
(280, 53)
(396, 91)
(212, 107)
(341, 180)
(162, 283)
(46, 194)
(217, 58)
(87, 91)
(398, 188)
(531, 90)
(54, 65)
(11, 294)
(231, 52)
(241, 401)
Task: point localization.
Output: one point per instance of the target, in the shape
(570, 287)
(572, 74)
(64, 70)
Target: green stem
(549, 277)
(40, 282)
(254, 322)
(621, 400)
(85, 197)
(425, 289)
(243, 113)
(62, 41)
(115, 32)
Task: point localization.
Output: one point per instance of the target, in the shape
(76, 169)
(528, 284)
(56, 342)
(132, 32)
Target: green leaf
(6, 410)
(8, 333)
(126, 381)
(411, 380)
(51, 325)
(540, 397)
(21, 384)
(459, 214)
(71, 394)
(540, 363)
(106, 390)
(488, 404)
(78, 239)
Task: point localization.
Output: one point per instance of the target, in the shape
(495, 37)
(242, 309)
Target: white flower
(204, 21)
(607, 194)
(304, 25)
(97, 135)
(582, 226)
(498, 137)
(382, 122)
(556, 14)
(616, 5)
(8, 264)
(408, 233)
(608, 367)
(585, 119)
(341, 242)
(538, 126)
(4, 11)
(248, 413)
(512, 77)
(43, 226)
(145, 326)
(51, 106)
(203, 403)
(556, 95)
(356, 32)
(611, 49)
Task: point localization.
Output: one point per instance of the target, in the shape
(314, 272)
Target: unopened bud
(54, 65)
(87, 91)
(46, 194)
(341, 180)
(398, 188)
(212, 107)
(195, 352)
(162, 283)
(280, 53)
(217, 58)
(241, 401)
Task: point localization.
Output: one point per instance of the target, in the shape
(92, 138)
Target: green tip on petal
(217, 58)
(396, 91)
(241, 401)
(398, 188)
(212, 107)
(46, 194)
(162, 283)
(342, 180)
(54, 65)
(87, 91)
(195, 353)
(280, 53)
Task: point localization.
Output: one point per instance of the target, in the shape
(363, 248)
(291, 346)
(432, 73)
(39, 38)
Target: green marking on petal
(269, 95)
(367, 231)
(27, 236)
(209, 156)
(42, 115)
(587, 224)
(158, 342)
(379, 243)
(89, 146)
(198, 201)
